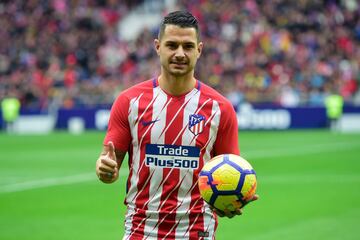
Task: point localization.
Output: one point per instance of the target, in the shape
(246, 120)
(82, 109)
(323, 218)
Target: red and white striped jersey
(169, 138)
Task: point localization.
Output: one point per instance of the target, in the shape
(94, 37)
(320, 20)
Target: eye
(171, 45)
(189, 46)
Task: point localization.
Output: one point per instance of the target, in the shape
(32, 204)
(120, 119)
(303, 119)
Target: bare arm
(109, 163)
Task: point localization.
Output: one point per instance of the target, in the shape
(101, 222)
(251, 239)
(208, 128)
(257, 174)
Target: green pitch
(308, 182)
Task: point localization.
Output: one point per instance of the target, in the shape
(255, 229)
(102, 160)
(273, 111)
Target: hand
(231, 214)
(106, 166)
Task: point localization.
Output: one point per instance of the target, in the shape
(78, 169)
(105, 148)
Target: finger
(254, 198)
(106, 176)
(107, 169)
(109, 162)
(238, 211)
(110, 149)
(229, 214)
(219, 213)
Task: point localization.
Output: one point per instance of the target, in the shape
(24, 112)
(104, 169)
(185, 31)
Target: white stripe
(210, 228)
(134, 103)
(210, 138)
(201, 126)
(128, 232)
(148, 106)
(155, 190)
(215, 121)
(51, 182)
(183, 224)
(141, 140)
(133, 115)
(190, 141)
(161, 100)
(184, 196)
(181, 133)
(209, 221)
(136, 156)
(173, 119)
(162, 111)
(131, 104)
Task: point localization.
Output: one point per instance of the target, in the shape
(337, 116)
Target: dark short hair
(183, 19)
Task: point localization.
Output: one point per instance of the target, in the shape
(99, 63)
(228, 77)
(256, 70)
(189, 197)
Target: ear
(157, 46)
(199, 49)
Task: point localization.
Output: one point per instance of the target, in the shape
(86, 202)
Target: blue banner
(249, 117)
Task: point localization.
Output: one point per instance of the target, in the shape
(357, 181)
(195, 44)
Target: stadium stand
(262, 52)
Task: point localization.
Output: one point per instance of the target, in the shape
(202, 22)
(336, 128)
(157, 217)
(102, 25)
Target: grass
(309, 184)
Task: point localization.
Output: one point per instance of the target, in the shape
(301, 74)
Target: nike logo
(147, 123)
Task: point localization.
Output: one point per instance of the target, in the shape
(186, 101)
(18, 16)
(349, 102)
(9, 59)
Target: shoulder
(135, 91)
(211, 93)
(124, 98)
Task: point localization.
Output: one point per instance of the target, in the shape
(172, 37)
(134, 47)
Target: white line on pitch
(298, 150)
(310, 179)
(50, 182)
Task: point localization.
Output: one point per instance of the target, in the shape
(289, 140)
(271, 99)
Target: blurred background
(292, 66)
(69, 55)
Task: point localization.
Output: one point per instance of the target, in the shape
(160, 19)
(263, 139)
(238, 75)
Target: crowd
(53, 51)
(289, 53)
(284, 52)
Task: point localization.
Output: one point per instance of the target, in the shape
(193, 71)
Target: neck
(177, 85)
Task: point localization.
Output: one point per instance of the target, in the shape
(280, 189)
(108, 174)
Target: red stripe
(187, 125)
(201, 140)
(168, 202)
(148, 132)
(135, 235)
(194, 215)
(145, 111)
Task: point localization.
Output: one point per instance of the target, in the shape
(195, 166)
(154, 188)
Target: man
(10, 107)
(334, 104)
(163, 123)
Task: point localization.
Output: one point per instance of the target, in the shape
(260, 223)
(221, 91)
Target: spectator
(10, 108)
(258, 49)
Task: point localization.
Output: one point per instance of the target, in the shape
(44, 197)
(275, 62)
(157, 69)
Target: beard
(178, 68)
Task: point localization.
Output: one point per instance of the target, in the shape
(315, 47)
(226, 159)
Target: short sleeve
(118, 128)
(227, 137)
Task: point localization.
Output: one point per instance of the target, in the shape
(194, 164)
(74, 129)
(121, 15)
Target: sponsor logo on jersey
(196, 123)
(147, 123)
(172, 156)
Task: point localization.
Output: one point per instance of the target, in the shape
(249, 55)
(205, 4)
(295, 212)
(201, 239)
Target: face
(178, 50)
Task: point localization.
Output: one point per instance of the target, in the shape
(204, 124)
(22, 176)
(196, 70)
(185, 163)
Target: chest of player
(177, 125)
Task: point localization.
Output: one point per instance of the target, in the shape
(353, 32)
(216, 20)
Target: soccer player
(170, 126)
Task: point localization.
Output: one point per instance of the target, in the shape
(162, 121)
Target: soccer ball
(227, 182)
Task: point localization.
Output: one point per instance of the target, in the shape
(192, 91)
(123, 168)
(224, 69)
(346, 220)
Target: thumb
(110, 149)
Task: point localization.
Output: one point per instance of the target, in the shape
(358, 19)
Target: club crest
(196, 123)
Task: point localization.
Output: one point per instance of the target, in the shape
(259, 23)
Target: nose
(179, 54)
